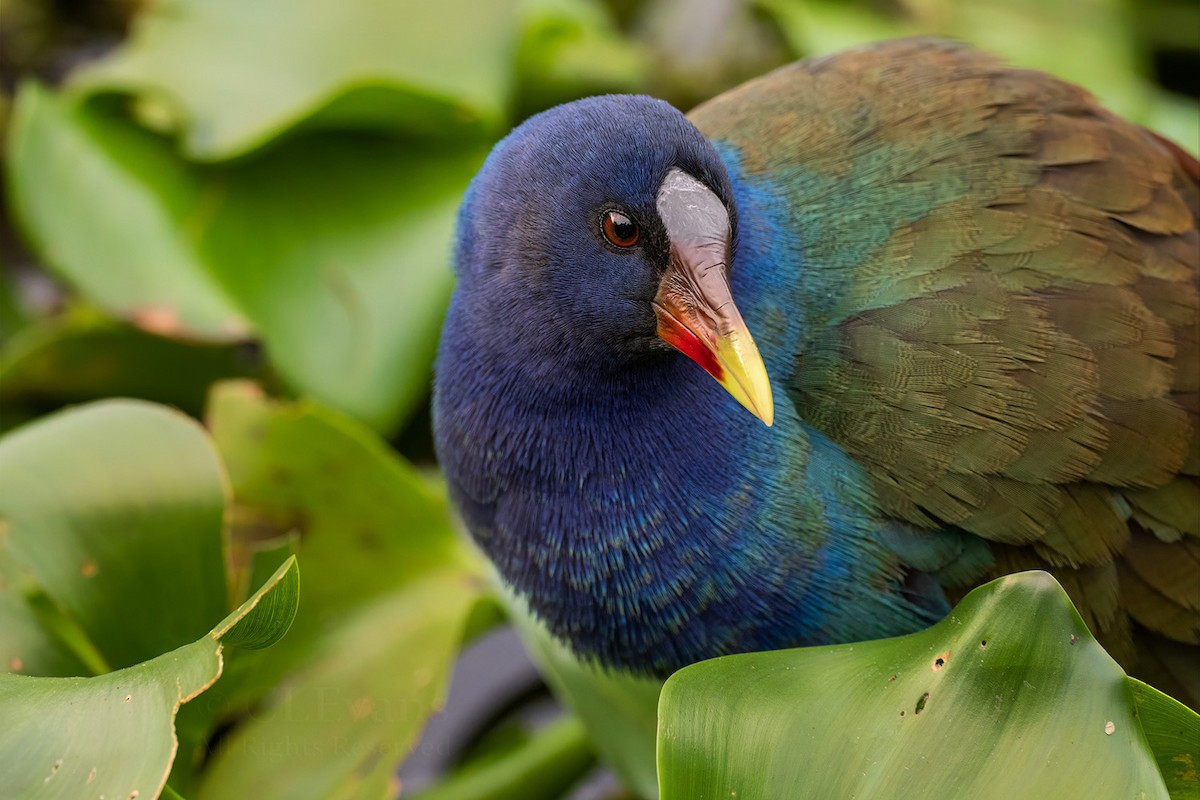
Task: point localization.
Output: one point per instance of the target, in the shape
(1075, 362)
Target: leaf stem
(540, 769)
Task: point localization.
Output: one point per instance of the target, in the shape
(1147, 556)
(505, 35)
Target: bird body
(973, 290)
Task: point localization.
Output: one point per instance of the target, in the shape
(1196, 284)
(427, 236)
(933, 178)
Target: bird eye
(620, 229)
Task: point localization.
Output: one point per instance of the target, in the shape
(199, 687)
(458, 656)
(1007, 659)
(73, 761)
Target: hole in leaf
(983, 643)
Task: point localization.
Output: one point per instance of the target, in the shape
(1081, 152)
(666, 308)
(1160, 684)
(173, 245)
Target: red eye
(620, 229)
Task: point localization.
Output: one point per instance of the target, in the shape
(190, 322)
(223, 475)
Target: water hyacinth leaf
(109, 208)
(112, 512)
(984, 704)
(79, 356)
(1173, 733)
(113, 735)
(389, 591)
(351, 714)
(618, 710)
(342, 271)
(230, 75)
(367, 521)
(26, 646)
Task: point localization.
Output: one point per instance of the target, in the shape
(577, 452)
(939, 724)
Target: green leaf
(109, 736)
(368, 522)
(389, 591)
(1173, 733)
(345, 269)
(544, 766)
(107, 206)
(342, 270)
(352, 712)
(265, 616)
(1009, 696)
(617, 709)
(232, 75)
(79, 357)
(111, 512)
(113, 735)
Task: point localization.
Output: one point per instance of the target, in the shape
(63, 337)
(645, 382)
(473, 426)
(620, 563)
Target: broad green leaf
(344, 268)
(110, 208)
(113, 735)
(618, 710)
(351, 714)
(231, 75)
(368, 522)
(112, 513)
(26, 646)
(79, 357)
(108, 736)
(1009, 696)
(1173, 733)
(334, 249)
(389, 591)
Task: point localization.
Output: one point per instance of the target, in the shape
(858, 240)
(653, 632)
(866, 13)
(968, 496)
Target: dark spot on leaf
(902, 713)
(921, 703)
(249, 356)
(983, 643)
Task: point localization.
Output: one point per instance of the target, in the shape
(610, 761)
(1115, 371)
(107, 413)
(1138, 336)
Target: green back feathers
(1000, 289)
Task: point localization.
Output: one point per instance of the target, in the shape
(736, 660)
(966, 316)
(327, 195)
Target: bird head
(603, 230)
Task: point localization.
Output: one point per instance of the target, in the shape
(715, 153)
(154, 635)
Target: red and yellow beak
(694, 304)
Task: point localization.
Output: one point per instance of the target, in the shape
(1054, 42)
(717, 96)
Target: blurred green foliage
(204, 190)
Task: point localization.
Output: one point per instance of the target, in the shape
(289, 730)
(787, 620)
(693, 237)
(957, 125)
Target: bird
(805, 365)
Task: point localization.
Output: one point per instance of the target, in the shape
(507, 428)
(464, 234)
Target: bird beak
(694, 304)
